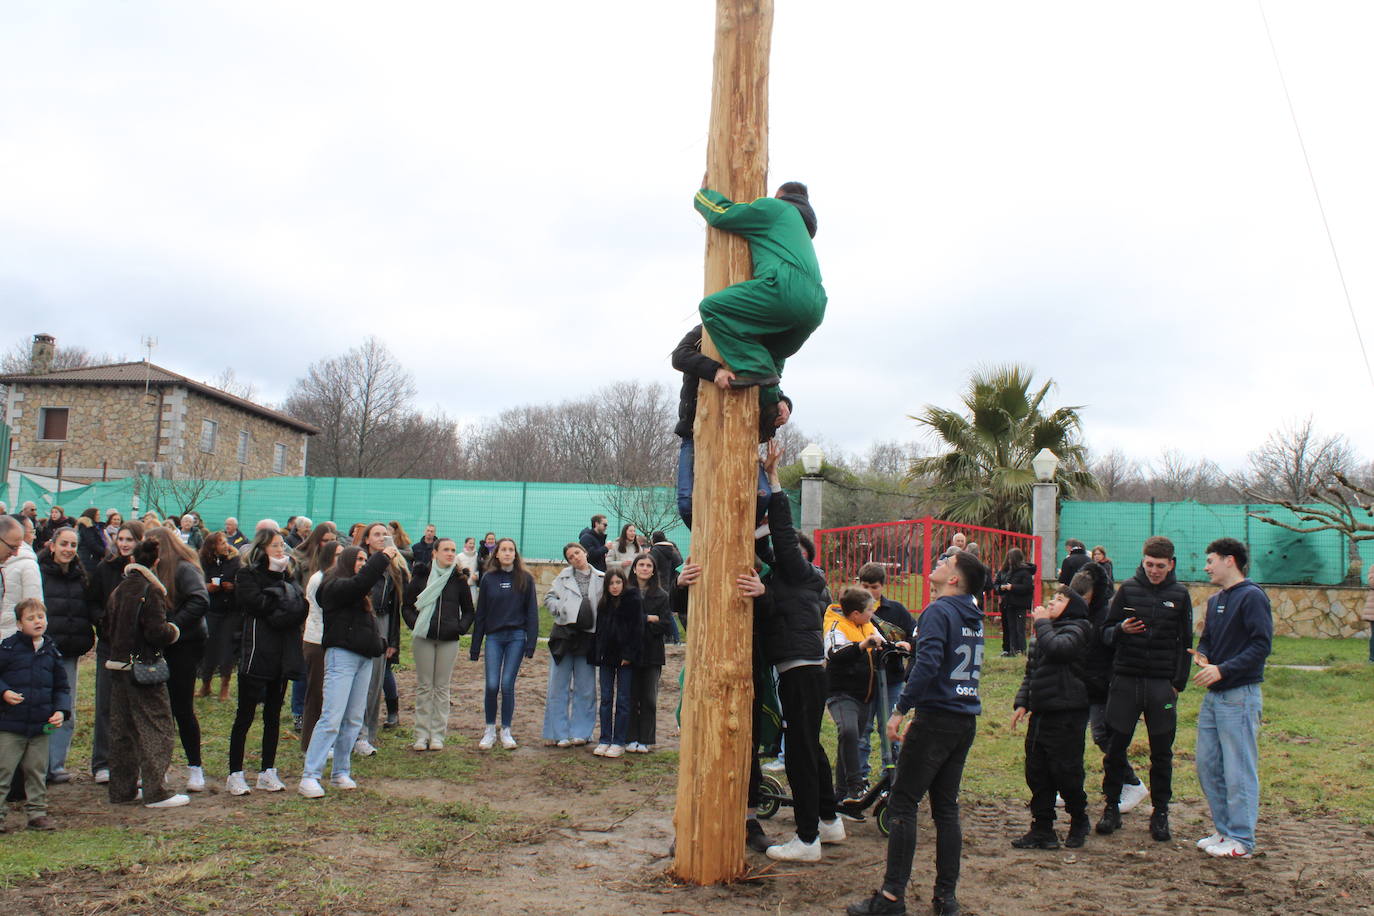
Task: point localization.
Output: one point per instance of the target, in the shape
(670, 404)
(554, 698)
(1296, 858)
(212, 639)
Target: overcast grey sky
(1112, 193)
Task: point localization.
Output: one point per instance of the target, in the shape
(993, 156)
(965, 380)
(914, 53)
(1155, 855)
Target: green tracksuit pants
(756, 325)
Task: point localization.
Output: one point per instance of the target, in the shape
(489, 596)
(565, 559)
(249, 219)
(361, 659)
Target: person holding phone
(1150, 627)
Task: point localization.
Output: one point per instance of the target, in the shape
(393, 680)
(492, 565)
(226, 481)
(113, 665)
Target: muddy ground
(586, 838)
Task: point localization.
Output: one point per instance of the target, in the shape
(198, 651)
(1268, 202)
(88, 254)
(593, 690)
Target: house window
(52, 423)
(209, 430)
(279, 458)
(244, 439)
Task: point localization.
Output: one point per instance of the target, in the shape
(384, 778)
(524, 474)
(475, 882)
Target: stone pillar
(1045, 523)
(811, 489)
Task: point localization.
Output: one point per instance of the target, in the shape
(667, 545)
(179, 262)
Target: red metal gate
(908, 550)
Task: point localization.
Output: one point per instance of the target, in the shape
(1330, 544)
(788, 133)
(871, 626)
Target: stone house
(107, 422)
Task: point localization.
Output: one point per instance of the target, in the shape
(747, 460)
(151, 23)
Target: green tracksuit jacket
(759, 323)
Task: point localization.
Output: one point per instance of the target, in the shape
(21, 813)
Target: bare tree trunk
(717, 704)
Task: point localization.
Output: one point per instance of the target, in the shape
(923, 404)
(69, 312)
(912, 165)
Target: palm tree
(983, 473)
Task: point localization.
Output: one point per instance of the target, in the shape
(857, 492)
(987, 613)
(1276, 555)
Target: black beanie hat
(796, 194)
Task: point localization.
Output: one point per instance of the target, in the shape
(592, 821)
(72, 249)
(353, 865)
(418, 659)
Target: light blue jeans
(61, 737)
(346, 678)
(504, 650)
(570, 710)
(1228, 759)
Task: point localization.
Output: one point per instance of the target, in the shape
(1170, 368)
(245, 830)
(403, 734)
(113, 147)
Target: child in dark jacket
(1055, 698)
(619, 642)
(36, 698)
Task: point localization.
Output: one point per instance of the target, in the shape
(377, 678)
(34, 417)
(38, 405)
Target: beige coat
(1368, 613)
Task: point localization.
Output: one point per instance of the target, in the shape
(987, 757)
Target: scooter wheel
(880, 815)
(770, 797)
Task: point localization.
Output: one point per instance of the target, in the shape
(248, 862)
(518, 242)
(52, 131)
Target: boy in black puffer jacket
(1054, 696)
(1150, 628)
(34, 696)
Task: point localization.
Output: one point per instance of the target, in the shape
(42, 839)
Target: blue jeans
(1228, 759)
(298, 696)
(686, 477)
(616, 682)
(62, 736)
(346, 678)
(879, 716)
(503, 649)
(570, 710)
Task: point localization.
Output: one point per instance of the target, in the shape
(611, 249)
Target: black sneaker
(1079, 829)
(754, 837)
(392, 720)
(877, 905)
(945, 906)
(1040, 837)
(1159, 826)
(1110, 820)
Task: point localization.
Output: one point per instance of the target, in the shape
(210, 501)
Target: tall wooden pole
(718, 694)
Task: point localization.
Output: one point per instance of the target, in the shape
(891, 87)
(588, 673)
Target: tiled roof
(138, 373)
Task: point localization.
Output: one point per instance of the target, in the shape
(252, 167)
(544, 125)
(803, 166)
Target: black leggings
(254, 691)
(183, 664)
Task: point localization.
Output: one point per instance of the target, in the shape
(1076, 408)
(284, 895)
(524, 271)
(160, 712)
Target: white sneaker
(176, 801)
(1132, 796)
(794, 850)
(614, 750)
(102, 776)
(1228, 849)
(236, 784)
(488, 738)
(563, 742)
(342, 781)
(578, 742)
(310, 788)
(600, 749)
(832, 831)
(632, 747)
(436, 744)
(195, 779)
(269, 781)
(775, 766)
(508, 740)
(1207, 842)
(420, 745)
(363, 748)
(1059, 799)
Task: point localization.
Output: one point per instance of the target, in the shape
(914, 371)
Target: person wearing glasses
(19, 575)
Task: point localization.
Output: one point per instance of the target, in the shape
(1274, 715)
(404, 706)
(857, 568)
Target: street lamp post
(1044, 503)
(812, 485)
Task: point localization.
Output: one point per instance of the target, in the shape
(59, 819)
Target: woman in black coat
(71, 624)
(93, 544)
(1015, 586)
(658, 620)
(106, 577)
(274, 610)
(219, 563)
(619, 643)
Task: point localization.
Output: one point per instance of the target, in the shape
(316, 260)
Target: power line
(1321, 208)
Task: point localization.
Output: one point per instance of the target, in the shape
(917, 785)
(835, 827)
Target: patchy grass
(1295, 650)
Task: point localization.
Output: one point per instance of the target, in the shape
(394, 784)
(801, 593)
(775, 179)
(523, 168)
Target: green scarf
(429, 597)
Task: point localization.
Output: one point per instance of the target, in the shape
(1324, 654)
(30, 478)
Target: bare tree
(361, 401)
(229, 382)
(1333, 504)
(181, 491)
(649, 508)
(1177, 477)
(1119, 475)
(1295, 458)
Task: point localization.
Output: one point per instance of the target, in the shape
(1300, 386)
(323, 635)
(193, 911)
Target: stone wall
(112, 427)
(1299, 610)
(223, 463)
(109, 428)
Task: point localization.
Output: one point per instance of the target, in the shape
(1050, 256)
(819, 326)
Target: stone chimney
(40, 357)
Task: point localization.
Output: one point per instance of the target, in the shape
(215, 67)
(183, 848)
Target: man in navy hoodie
(1237, 636)
(942, 687)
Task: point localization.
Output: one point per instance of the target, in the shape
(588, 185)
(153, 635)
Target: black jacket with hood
(1022, 591)
(71, 614)
(274, 610)
(788, 620)
(1097, 665)
(1053, 681)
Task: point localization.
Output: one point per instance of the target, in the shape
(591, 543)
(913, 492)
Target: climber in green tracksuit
(756, 325)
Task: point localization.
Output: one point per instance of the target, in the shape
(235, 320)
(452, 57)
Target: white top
(467, 561)
(21, 580)
(314, 621)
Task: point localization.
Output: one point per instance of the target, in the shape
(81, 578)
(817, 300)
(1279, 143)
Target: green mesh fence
(542, 517)
(1276, 555)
